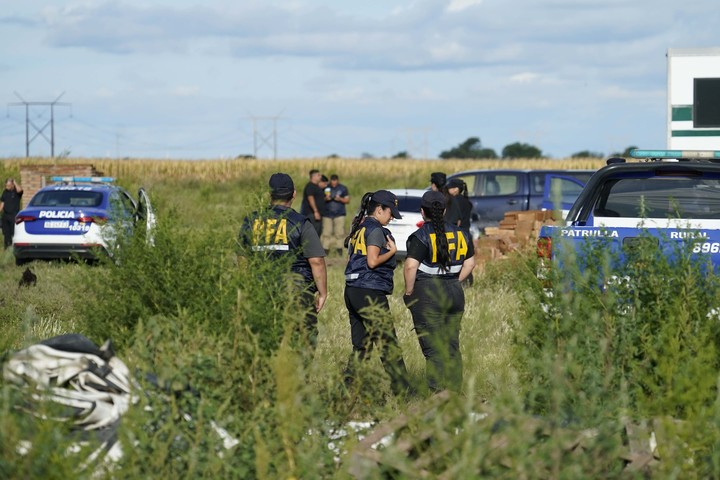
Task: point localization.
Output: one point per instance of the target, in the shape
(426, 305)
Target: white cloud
(460, 5)
(185, 91)
(524, 77)
(449, 52)
(104, 92)
(355, 95)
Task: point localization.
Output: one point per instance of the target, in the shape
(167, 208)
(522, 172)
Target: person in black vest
(459, 210)
(313, 200)
(368, 282)
(337, 197)
(10, 206)
(280, 232)
(437, 181)
(439, 257)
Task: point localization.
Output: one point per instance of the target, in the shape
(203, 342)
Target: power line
(223, 139)
(314, 143)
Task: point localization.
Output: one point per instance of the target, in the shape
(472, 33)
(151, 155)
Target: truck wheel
(21, 261)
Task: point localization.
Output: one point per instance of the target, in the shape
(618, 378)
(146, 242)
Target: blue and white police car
(78, 217)
(664, 197)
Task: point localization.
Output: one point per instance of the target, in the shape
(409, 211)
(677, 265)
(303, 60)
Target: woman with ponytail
(439, 256)
(368, 282)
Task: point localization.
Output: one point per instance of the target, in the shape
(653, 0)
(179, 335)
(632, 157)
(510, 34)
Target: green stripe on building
(696, 133)
(682, 113)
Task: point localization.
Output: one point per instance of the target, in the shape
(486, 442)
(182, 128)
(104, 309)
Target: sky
(313, 78)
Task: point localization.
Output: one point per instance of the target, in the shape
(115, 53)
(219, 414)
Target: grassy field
(218, 340)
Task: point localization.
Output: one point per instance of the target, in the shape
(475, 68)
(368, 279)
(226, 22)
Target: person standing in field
(439, 257)
(368, 282)
(337, 197)
(459, 211)
(313, 201)
(281, 233)
(10, 206)
(437, 181)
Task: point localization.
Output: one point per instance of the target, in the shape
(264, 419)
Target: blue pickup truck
(496, 192)
(667, 198)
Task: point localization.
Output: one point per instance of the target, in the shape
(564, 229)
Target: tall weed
(625, 334)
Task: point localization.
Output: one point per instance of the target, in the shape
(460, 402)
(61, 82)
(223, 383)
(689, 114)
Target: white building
(693, 99)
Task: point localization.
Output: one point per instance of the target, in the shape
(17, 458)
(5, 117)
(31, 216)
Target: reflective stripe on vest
(352, 276)
(264, 248)
(438, 270)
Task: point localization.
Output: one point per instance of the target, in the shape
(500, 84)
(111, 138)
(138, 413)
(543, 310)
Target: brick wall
(34, 177)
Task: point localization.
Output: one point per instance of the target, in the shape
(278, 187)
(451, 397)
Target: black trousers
(437, 307)
(310, 323)
(8, 228)
(371, 325)
(317, 224)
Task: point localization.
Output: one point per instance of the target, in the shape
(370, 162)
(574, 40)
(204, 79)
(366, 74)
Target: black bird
(28, 278)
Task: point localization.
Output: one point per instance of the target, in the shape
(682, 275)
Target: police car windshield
(658, 197)
(67, 198)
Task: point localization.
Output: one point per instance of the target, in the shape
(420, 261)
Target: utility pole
(39, 130)
(262, 137)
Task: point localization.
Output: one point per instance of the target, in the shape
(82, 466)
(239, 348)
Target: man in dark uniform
(282, 233)
(333, 231)
(313, 201)
(10, 206)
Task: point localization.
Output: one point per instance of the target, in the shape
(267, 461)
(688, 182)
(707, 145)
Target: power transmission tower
(39, 130)
(262, 137)
(417, 141)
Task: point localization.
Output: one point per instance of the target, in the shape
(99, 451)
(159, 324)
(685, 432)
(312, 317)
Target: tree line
(472, 148)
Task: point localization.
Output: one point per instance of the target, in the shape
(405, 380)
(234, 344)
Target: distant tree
(402, 154)
(333, 155)
(470, 148)
(245, 156)
(586, 154)
(521, 150)
(366, 155)
(624, 154)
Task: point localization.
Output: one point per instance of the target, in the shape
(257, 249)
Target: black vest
(357, 272)
(277, 233)
(457, 244)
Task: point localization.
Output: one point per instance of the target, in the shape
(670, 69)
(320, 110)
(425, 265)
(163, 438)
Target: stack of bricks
(516, 231)
(34, 177)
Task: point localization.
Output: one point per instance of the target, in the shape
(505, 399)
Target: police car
(666, 198)
(78, 217)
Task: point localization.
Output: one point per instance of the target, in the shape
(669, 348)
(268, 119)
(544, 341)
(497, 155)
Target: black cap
(431, 197)
(281, 184)
(388, 199)
(438, 178)
(324, 179)
(455, 183)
